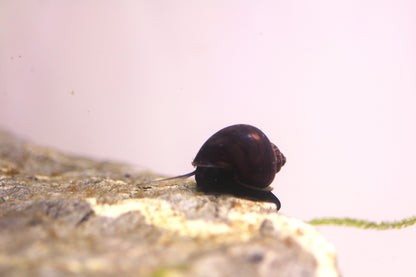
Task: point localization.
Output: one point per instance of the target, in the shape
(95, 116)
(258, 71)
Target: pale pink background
(332, 83)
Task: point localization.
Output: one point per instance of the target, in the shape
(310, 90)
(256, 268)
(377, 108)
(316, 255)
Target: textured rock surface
(63, 215)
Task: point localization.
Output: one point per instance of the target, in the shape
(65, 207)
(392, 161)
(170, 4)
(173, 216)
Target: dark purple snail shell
(238, 158)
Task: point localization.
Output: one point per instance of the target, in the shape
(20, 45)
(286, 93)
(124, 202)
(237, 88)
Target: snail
(238, 160)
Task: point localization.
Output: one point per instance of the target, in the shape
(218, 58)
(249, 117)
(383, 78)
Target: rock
(64, 215)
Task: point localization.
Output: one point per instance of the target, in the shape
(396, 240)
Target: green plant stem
(364, 224)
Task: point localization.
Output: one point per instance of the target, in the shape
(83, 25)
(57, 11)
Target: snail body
(238, 160)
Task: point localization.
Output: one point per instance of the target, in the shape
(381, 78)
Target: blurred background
(331, 83)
